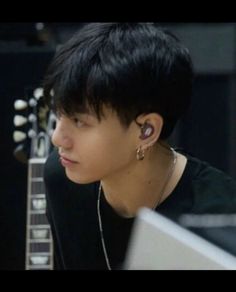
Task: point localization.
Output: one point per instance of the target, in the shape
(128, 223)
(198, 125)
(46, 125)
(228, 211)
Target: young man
(118, 90)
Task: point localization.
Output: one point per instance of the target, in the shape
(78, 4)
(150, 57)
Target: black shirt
(72, 212)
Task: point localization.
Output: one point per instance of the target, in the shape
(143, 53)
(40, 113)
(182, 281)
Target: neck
(141, 183)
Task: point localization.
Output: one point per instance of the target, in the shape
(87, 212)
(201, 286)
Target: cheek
(99, 157)
(100, 152)
(107, 155)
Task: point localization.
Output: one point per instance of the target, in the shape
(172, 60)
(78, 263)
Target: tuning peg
(32, 118)
(19, 120)
(20, 104)
(31, 133)
(19, 136)
(38, 93)
(32, 102)
(21, 153)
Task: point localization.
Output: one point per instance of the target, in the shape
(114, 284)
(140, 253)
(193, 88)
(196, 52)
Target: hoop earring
(139, 153)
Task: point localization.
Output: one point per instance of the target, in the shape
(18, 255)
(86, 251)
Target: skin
(106, 151)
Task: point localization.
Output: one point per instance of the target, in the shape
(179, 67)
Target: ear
(150, 127)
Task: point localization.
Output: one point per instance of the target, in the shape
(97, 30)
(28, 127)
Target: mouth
(66, 161)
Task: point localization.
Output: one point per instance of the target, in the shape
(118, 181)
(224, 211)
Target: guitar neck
(39, 244)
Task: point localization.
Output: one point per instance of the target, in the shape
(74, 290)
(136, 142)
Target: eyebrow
(85, 111)
(80, 111)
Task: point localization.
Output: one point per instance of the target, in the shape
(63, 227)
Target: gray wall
(211, 134)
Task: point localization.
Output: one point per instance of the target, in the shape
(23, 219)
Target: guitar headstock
(34, 124)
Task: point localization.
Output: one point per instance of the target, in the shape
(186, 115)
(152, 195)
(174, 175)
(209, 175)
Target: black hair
(134, 68)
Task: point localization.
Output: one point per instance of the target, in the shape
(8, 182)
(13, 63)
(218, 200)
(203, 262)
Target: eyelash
(77, 121)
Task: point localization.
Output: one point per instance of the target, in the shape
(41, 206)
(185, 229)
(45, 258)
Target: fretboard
(39, 245)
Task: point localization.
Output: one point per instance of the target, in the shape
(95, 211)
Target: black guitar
(36, 128)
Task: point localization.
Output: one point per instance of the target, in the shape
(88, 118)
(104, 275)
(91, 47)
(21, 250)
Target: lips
(66, 161)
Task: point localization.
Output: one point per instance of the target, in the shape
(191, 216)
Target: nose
(61, 136)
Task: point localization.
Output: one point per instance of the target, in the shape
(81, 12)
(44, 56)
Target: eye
(79, 123)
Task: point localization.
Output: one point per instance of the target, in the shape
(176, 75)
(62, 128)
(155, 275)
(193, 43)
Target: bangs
(74, 89)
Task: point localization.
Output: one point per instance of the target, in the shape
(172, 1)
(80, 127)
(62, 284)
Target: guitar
(38, 127)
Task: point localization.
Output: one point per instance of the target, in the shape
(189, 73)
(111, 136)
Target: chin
(79, 179)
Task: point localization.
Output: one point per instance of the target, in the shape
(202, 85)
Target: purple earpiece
(146, 131)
